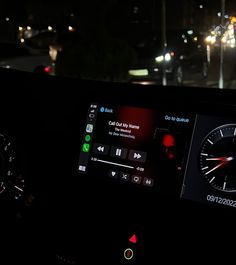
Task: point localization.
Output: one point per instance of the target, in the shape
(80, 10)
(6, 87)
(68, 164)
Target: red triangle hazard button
(133, 239)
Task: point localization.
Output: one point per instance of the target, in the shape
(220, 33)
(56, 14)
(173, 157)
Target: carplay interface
(137, 146)
(184, 155)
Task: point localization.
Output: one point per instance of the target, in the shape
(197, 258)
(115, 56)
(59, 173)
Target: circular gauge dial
(218, 158)
(11, 182)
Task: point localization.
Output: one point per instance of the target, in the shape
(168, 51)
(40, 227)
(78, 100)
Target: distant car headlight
(210, 39)
(161, 58)
(167, 57)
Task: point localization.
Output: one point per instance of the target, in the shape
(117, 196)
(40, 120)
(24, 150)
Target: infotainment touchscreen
(136, 146)
(189, 156)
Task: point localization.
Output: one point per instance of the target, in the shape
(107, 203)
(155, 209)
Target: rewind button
(101, 149)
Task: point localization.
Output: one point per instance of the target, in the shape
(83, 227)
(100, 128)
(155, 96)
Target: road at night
(214, 70)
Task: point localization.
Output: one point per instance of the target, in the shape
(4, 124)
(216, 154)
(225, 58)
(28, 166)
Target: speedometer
(11, 181)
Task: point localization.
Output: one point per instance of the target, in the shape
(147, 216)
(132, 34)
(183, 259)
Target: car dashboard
(99, 172)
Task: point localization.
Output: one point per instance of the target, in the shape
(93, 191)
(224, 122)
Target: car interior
(117, 132)
(99, 172)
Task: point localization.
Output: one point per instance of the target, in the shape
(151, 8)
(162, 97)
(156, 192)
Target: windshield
(165, 42)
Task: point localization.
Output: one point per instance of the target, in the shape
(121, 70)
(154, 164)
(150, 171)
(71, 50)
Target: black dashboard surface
(115, 173)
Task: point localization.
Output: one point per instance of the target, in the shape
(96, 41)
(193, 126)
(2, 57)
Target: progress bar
(111, 163)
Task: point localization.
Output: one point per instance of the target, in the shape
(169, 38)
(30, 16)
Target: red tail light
(48, 70)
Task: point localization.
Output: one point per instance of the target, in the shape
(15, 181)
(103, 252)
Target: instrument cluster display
(211, 170)
(12, 183)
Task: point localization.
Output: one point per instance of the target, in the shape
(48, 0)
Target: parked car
(185, 54)
(17, 56)
(42, 40)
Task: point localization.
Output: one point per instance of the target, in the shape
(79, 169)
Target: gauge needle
(223, 163)
(18, 188)
(222, 159)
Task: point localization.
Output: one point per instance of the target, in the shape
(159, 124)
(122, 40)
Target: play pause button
(113, 174)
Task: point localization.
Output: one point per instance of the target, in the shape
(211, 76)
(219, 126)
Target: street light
(53, 52)
(164, 42)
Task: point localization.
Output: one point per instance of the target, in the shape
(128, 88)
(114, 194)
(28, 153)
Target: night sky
(91, 4)
(47, 11)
